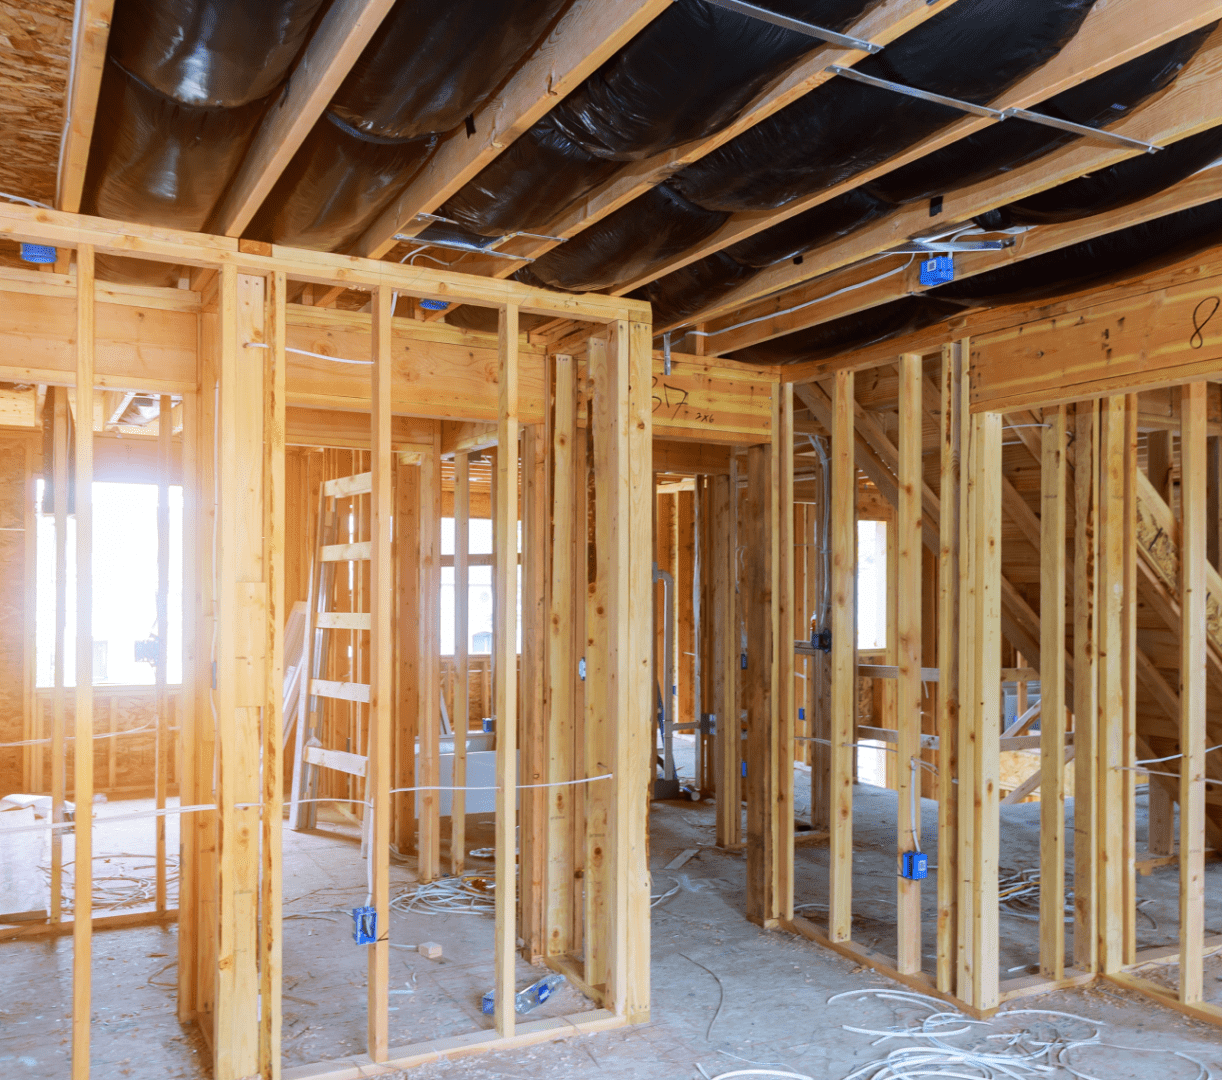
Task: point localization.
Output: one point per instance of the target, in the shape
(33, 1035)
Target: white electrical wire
(472, 893)
(69, 738)
(306, 352)
(28, 202)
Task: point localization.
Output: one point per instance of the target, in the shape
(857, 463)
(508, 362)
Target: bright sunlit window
(124, 587)
(871, 584)
(479, 589)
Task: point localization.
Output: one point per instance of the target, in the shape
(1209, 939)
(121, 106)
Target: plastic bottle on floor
(526, 1000)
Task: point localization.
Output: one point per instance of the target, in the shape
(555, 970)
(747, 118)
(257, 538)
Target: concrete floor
(773, 988)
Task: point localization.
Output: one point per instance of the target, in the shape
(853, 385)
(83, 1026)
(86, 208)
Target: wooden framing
(235, 415)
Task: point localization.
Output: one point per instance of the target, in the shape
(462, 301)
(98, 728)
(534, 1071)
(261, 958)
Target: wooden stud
(1192, 689)
(561, 668)
(271, 939)
(532, 802)
(461, 713)
(985, 718)
(161, 706)
(761, 748)
(82, 786)
(1110, 730)
(727, 744)
(381, 717)
(844, 653)
(504, 639)
(783, 651)
(1085, 683)
(428, 677)
(953, 378)
(1130, 663)
(1052, 693)
(909, 689)
(60, 482)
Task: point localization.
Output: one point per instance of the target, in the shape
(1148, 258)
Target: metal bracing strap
(994, 114)
(797, 25)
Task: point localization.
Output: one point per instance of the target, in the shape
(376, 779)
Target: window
(871, 584)
(124, 588)
(479, 588)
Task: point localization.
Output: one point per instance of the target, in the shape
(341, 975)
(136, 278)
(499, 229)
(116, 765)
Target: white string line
(70, 738)
(306, 352)
(1170, 757)
(136, 814)
(1159, 772)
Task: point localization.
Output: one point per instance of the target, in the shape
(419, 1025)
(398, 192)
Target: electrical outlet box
(938, 271)
(365, 923)
(914, 865)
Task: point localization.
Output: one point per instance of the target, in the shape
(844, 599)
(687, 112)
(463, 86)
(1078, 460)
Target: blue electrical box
(938, 271)
(801, 714)
(744, 765)
(914, 865)
(365, 922)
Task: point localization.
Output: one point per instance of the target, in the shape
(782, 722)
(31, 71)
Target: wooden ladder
(310, 754)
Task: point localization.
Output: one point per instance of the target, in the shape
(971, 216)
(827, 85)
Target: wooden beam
(504, 639)
(1193, 633)
(1100, 44)
(1053, 496)
(428, 685)
(82, 886)
(723, 534)
(909, 688)
(334, 47)
(844, 656)
(588, 35)
(90, 34)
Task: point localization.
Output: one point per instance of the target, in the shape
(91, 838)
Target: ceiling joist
(90, 33)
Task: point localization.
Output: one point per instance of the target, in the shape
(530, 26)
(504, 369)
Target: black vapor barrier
(1002, 147)
(426, 69)
(843, 128)
(185, 87)
(1141, 247)
(1125, 182)
(820, 140)
(688, 74)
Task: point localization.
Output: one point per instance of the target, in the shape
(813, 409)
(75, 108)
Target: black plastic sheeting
(1002, 147)
(688, 74)
(184, 89)
(1125, 182)
(994, 150)
(428, 67)
(823, 139)
(159, 162)
(650, 231)
(336, 184)
(210, 52)
(1143, 247)
(843, 128)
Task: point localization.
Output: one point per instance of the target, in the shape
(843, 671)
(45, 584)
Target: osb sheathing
(35, 43)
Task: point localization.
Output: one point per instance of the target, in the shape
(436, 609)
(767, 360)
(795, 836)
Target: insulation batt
(1138, 249)
(999, 148)
(843, 128)
(427, 68)
(210, 52)
(688, 74)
